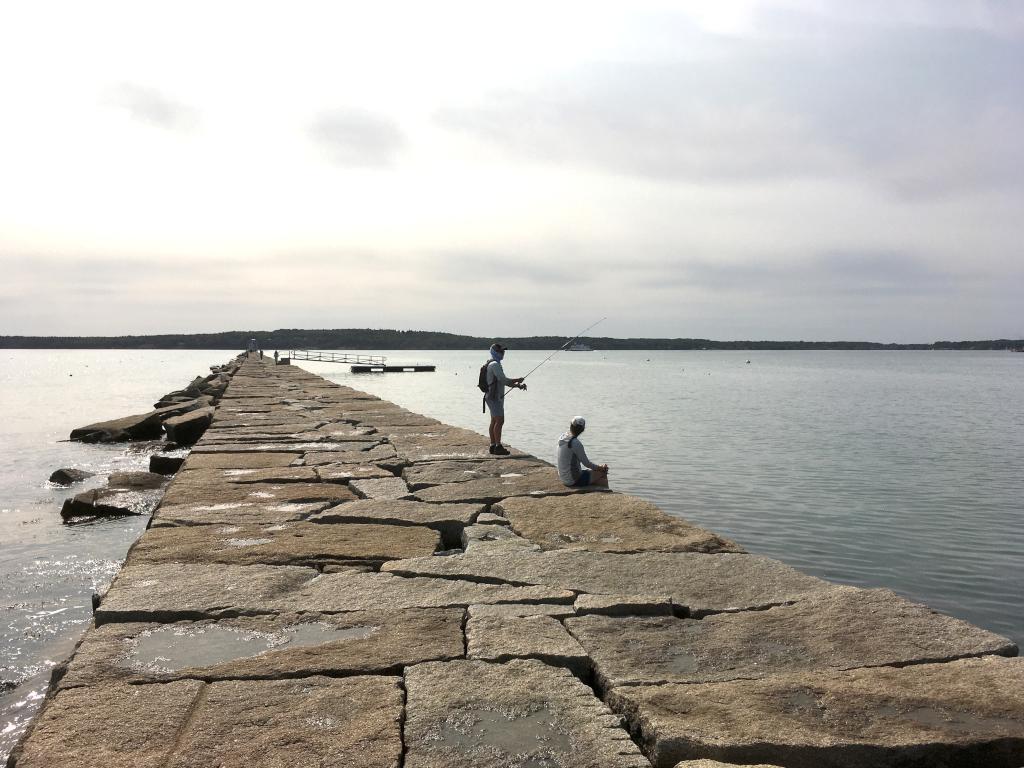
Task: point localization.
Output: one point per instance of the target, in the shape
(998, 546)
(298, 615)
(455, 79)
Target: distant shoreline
(367, 339)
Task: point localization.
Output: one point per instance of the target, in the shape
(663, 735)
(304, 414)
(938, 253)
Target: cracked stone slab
(543, 482)
(345, 473)
(270, 447)
(439, 449)
(624, 605)
(716, 764)
(501, 638)
(266, 647)
(355, 455)
(237, 460)
(381, 419)
(337, 592)
(962, 713)
(442, 472)
(181, 491)
(474, 536)
(284, 544)
(492, 518)
(840, 629)
(233, 513)
(243, 475)
(449, 519)
(521, 609)
(698, 583)
(230, 724)
(176, 591)
(381, 488)
(607, 522)
(522, 713)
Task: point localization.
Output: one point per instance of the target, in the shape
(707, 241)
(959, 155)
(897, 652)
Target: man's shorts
(583, 479)
(497, 406)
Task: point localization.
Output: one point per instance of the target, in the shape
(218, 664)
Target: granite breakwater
(331, 579)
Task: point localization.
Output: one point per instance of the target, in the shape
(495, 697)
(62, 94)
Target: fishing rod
(570, 341)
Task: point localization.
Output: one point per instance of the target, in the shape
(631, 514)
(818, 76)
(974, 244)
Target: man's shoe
(491, 450)
(500, 450)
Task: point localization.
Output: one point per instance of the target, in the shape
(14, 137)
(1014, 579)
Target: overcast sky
(730, 170)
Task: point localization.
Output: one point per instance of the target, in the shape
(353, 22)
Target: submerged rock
(69, 475)
(139, 481)
(165, 464)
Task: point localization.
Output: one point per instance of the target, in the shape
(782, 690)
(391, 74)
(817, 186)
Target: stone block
(189, 427)
(183, 492)
(501, 638)
(431, 473)
(233, 513)
(266, 647)
(177, 591)
(449, 519)
(237, 460)
(346, 473)
(962, 714)
(607, 522)
(380, 488)
(698, 583)
(339, 592)
(298, 543)
(842, 628)
(230, 724)
(493, 489)
(522, 713)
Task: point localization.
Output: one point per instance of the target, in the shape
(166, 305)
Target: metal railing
(318, 355)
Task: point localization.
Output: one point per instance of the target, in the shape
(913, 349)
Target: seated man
(570, 456)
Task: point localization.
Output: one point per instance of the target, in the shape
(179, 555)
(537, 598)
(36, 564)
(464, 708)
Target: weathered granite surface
(246, 475)
(176, 591)
(288, 645)
(314, 721)
(346, 473)
(183, 492)
(542, 482)
(699, 583)
(842, 628)
(298, 543)
(521, 713)
(607, 522)
(441, 472)
(963, 714)
(500, 638)
(233, 513)
(449, 519)
(368, 591)
(237, 460)
(380, 488)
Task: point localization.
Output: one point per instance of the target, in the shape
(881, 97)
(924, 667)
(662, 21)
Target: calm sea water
(887, 469)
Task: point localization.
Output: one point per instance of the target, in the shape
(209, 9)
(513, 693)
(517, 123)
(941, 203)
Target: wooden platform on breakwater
(331, 579)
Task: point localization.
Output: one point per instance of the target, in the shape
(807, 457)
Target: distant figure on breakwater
(261, 353)
(251, 347)
(570, 456)
(275, 357)
(495, 397)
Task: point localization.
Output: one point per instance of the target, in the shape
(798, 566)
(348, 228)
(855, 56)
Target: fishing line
(570, 341)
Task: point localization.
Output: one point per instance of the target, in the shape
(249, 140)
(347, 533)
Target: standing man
(495, 397)
(570, 456)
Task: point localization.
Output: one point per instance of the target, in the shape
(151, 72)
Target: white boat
(579, 346)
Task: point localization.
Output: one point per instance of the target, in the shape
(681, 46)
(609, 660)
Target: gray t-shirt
(568, 458)
(496, 381)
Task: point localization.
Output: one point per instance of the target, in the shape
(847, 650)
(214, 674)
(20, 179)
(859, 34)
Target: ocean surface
(893, 469)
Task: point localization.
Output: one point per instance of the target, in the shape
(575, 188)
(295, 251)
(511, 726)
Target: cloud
(150, 106)
(356, 138)
(919, 111)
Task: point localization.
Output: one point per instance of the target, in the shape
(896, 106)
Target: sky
(726, 169)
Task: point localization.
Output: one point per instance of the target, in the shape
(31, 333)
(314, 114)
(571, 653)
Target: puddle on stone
(513, 735)
(682, 662)
(170, 649)
(932, 717)
(801, 700)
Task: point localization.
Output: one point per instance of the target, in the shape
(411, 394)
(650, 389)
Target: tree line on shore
(369, 338)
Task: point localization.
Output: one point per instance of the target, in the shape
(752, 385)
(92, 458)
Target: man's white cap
(579, 421)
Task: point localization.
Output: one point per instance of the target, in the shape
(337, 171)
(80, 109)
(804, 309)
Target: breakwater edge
(298, 551)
